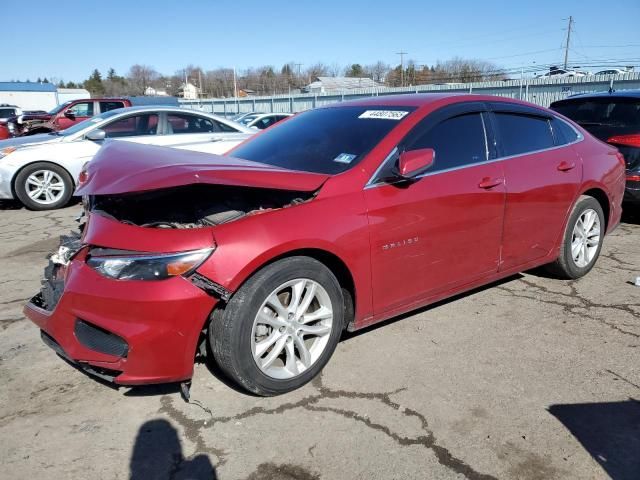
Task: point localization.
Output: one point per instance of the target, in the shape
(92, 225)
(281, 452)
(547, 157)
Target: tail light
(633, 178)
(631, 140)
(84, 174)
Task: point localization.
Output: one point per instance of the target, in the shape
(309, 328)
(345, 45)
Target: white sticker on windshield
(345, 158)
(384, 114)
(95, 120)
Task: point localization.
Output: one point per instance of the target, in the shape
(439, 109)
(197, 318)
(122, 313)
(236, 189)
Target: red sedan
(334, 219)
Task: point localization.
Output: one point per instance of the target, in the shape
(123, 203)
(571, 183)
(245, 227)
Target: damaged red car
(334, 219)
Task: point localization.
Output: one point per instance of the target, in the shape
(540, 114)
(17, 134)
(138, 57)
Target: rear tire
(43, 186)
(582, 240)
(280, 328)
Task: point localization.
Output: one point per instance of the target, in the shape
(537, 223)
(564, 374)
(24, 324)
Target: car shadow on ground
(631, 215)
(157, 454)
(10, 205)
(610, 432)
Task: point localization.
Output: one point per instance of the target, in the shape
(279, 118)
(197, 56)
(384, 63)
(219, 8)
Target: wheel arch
(330, 260)
(603, 199)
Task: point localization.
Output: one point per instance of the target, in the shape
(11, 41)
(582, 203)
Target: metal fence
(542, 91)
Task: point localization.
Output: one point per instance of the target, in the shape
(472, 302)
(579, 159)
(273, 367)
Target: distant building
(66, 94)
(38, 96)
(155, 92)
(339, 84)
(246, 92)
(189, 91)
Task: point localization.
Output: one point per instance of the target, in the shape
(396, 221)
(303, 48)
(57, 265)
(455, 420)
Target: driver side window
(84, 109)
(457, 141)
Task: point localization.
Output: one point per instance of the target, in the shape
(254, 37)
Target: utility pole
(298, 65)
(566, 47)
(402, 54)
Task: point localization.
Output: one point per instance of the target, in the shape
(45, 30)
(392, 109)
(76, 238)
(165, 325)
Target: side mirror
(96, 135)
(415, 162)
(69, 114)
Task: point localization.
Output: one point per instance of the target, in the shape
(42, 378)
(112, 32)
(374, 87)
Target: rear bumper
(160, 323)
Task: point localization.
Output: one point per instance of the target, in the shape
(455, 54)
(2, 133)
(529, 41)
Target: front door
(76, 113)
(444, 229)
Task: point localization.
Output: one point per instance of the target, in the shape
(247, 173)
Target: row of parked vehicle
(44, 152)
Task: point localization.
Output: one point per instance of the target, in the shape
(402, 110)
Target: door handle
(488, 182)
(566, 166)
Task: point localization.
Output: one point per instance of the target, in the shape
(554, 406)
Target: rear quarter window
(564, 133)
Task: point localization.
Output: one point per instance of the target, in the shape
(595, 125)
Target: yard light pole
(402, 54)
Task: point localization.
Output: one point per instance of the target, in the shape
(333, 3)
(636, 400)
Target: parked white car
(612, 71)
(562, 73)
(261, 121)
(41, 170)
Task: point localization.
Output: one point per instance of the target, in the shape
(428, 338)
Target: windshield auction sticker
(384, 114)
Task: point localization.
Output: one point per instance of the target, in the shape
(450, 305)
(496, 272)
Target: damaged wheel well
(333, 263)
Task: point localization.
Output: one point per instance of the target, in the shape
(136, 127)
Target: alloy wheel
(45, 187)
(292, 328)
(585, 238)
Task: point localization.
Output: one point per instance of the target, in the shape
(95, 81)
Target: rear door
(542, 178)
(443, 229)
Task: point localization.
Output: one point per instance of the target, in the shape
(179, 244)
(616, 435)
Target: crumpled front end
(126, 331)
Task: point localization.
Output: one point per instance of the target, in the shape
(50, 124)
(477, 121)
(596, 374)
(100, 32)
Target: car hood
(29, 140)
(122, 167)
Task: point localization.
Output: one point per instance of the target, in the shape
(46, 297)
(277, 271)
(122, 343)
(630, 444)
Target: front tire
(43, 186)
(582, 240)
(280, 328)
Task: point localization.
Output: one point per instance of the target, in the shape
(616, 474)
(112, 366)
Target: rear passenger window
(563, 132)
(106, 106)
(457, 141)
(180, 123)
(223, 127)
(523, 133)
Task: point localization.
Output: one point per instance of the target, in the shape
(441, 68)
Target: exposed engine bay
(192, 206)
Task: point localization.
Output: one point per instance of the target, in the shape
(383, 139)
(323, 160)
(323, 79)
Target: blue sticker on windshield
(345, 158)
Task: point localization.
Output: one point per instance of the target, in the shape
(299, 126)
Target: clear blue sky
(66, 39)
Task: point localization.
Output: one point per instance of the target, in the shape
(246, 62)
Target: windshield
(59, 107)
(326, 140)
(78, 127)
(248, 119)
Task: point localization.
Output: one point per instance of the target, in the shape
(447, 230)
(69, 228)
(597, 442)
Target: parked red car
(336, 218)
(4, 131)
(72, 112)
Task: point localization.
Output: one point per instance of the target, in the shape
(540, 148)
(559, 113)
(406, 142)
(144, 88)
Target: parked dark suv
(613, 118)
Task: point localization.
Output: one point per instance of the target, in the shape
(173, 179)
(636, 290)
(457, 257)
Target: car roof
(420, 100)
(613, 94)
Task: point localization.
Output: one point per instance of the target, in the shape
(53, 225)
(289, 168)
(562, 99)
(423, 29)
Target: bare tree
(140, 77)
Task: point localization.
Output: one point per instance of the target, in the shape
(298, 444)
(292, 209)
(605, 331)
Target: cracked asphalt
(531, 378)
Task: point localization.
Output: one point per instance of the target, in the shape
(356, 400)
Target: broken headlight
(148, 267)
